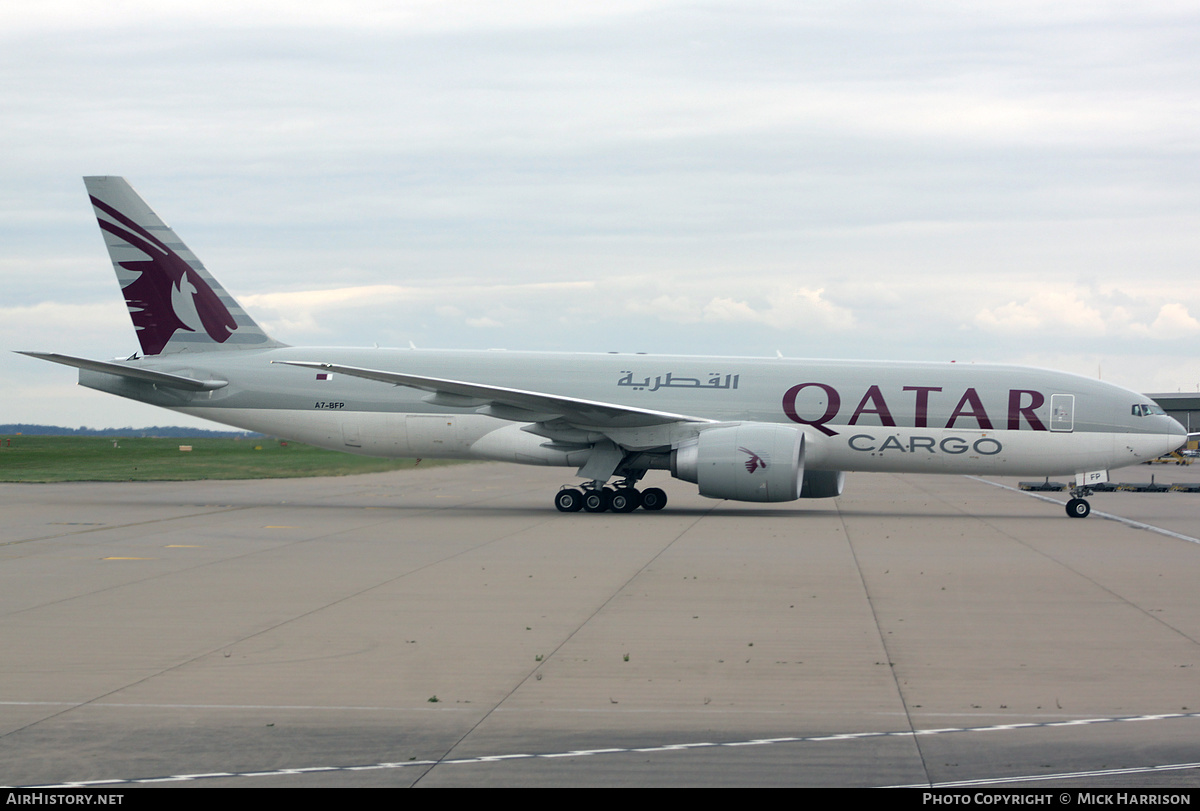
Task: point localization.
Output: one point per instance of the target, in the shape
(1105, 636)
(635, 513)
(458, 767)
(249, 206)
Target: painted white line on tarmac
(677, 747)
(1108, 516)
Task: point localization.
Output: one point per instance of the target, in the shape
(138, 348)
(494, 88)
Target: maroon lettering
(921, 416)
(1016, 410)
(970, 397)
(831, 410)
(875, 397)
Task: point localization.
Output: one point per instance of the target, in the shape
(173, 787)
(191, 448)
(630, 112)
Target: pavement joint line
(277, 707)
(896, 685)
(675, 747)
(104, 527)
(535, 673)
(281, 623)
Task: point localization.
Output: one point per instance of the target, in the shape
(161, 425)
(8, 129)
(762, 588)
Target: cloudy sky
(1013, 182)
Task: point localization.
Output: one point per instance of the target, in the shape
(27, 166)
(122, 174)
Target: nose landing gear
(1078, 506)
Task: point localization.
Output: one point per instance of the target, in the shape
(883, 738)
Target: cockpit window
(1146, 409)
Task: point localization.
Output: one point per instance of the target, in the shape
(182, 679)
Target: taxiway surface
(448, 627)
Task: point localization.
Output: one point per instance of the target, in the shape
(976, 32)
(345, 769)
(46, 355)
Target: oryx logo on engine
(754, 462)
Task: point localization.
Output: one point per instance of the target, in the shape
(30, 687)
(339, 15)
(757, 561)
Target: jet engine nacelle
(750, 461)
(822, 484)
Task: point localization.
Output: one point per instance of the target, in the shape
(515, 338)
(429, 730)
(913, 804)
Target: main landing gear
(594, 497)
(1078, 506)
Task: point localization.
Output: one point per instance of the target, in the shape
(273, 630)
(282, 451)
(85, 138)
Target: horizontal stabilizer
(526, 406)
(107, 367)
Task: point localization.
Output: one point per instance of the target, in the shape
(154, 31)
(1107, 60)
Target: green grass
(95, 459)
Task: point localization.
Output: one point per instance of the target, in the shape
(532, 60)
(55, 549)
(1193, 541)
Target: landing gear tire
(625, 500)
(596, 501)
(653, 499)
(568, 500)
(1078, 508)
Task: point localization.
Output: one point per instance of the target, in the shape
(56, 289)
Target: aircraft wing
(513, 404)
(121, 370)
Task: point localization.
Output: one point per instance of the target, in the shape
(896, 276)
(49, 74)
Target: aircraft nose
(1176, 434)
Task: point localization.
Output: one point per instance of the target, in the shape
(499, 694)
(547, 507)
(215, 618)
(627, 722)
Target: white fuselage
(856, 415)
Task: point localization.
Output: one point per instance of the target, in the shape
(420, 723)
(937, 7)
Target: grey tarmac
(894, 636)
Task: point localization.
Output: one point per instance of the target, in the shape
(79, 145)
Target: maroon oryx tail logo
(168, 295)
(754, 462)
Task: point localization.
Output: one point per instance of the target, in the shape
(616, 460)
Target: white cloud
(1052, 311)
(370, 15)
(295, 314)
(783, 308)
(1173, 322)
(1082, 315)
(51, 324)
(920, 180)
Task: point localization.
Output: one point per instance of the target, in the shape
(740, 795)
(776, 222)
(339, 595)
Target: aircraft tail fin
(175, 304)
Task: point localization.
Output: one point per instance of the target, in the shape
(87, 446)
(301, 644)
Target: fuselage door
(1062, 412)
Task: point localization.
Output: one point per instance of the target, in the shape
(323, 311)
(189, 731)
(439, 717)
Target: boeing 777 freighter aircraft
(749, 429)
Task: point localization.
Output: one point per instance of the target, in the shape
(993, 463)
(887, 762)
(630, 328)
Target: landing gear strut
(1078, 506)
(595, 497)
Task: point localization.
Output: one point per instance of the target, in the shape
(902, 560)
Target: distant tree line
(154, 431)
